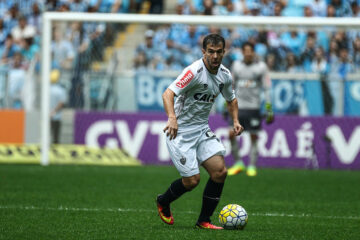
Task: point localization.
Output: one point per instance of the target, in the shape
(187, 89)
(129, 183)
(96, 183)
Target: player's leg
(210, 152)
(251, 169)
(239, 165)
(176, 189)
(215, 166)
(185, 162)
(254, 128)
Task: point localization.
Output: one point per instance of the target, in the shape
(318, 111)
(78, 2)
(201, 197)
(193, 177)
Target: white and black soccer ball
(233, 216)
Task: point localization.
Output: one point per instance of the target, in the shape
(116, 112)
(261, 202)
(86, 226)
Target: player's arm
(233, 112)
(171, 126)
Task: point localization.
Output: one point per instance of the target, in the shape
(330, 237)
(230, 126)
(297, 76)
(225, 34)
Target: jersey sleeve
(184, 81)
(228, 91)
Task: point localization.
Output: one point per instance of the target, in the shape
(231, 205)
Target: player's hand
(269, 113)
(171, 128)
(238, 129)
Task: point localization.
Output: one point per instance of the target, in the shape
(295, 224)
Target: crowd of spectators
(175, 46)
(74, 45)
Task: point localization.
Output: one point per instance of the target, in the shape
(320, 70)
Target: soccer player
(189, 139)
(251, 79)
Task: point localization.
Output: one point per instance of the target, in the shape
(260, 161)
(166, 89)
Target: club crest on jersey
(205, 86)
(185, 80)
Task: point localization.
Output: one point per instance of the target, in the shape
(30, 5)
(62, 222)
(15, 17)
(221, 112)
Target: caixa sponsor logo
(203, 97)
(185, 80)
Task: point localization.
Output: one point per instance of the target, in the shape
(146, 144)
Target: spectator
(3, 32)
(254, 8)
(25, 6)
(292, 63)
(156, 6)
(187, 7)
(337, 75)
(62, 50)
(318, 7)
(11, 17)
(342, 8)
(267, 7)
(208, 7)
(319, 63)
(356, 53)
(332, 55)
(35, 18)
(271, 63)
(57, 103)
(23, 30)
(51, 5)
(8, 50)
(308, 11)
(29, 49)
(308, 53)
(3, 8)
(278, 8)
(355, 9)
(220, 8)
(147, 48)
(293, 41)
(78, 6)
(330, 11)
(16, 77)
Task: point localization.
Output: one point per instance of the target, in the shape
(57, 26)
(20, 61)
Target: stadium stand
(85, 46)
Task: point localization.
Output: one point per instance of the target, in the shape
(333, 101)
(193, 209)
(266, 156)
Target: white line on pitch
(74, 209)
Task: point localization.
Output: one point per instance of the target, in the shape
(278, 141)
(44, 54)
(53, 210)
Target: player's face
(248, 54)
(213, 55)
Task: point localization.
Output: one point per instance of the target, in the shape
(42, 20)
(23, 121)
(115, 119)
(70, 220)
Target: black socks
(175, 190)
(211, 198)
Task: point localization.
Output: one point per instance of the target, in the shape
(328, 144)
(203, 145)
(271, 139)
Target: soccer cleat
(251, 171)
(236, 168)
(207, 225)
(164, 213)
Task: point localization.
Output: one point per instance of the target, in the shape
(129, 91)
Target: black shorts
(250, 119)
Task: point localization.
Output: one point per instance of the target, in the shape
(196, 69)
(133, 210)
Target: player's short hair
(214, 39)
(248, 44)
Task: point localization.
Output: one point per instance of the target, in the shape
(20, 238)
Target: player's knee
(191, 182)
(220, 175)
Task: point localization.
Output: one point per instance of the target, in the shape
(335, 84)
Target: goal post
(266, 23)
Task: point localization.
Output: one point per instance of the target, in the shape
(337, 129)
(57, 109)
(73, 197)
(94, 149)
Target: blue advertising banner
(352, 98)
(149, 89)
(288, 96)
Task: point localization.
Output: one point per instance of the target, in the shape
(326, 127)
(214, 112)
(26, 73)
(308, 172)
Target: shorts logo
(183, 160)
(185, 80)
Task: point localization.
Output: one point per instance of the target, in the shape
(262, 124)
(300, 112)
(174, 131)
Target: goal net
(110, 64)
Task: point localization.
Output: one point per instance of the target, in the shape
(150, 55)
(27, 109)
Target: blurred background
(107, 78)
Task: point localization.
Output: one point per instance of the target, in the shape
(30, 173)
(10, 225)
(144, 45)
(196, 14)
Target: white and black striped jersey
(196, 89)
(250, 80)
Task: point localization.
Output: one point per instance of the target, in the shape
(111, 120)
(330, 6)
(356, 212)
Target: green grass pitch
(94, 202)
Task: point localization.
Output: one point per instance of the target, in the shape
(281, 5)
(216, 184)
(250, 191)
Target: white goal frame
(223, 21)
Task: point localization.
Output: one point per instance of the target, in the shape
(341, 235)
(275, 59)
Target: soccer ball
(233, 216)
